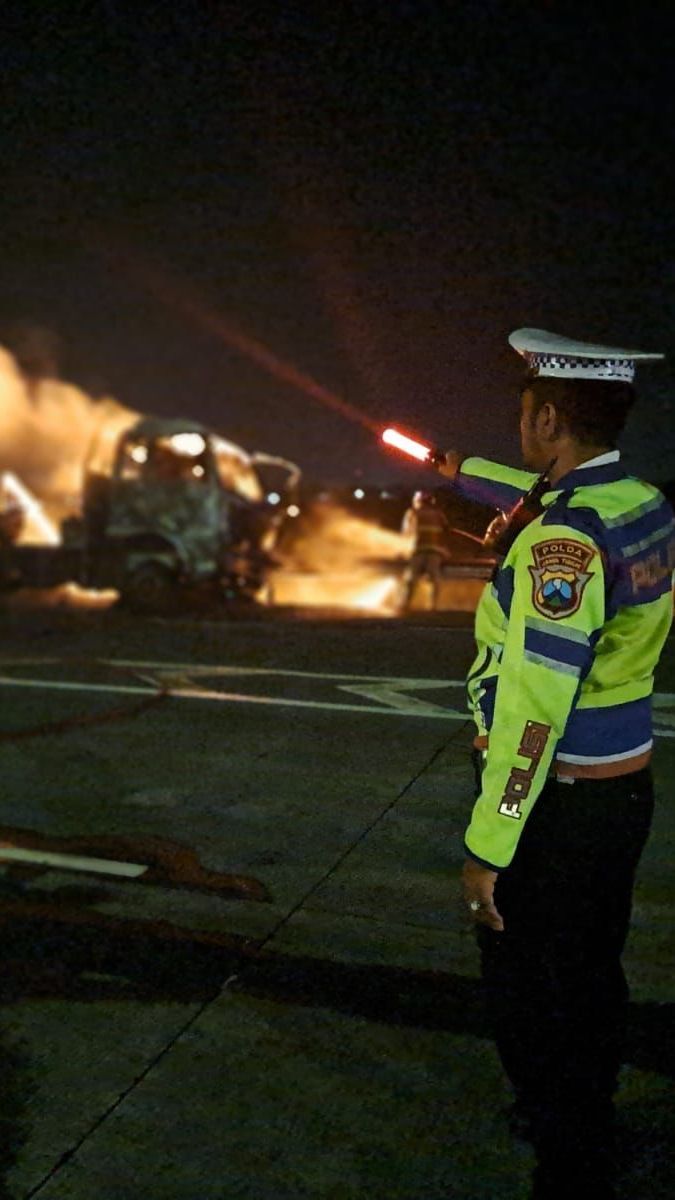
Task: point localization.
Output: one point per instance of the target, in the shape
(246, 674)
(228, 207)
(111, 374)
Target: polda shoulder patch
(559, 576)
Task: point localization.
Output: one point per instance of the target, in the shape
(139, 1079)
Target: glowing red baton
(425, 454)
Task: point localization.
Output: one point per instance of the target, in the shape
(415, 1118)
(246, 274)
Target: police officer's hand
(478, 885)
(451, 464)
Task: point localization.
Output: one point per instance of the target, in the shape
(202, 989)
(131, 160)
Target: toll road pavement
(168, 1035)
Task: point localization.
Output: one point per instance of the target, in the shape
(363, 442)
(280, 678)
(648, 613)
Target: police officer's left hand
(451, 463)
(478, 884)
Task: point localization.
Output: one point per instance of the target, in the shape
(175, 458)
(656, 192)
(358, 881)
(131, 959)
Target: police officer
(568, 636)
(427, 527)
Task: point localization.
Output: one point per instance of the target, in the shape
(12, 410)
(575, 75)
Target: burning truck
(179, 507)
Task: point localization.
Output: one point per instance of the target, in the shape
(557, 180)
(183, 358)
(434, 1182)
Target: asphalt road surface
(234, 959)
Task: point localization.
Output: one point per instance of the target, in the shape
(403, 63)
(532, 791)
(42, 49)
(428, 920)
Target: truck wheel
(150, 588)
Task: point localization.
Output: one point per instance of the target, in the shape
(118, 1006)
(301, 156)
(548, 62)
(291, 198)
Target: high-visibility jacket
(428, 526)
(568, 635)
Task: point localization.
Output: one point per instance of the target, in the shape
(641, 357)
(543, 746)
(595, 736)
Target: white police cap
(562, 358)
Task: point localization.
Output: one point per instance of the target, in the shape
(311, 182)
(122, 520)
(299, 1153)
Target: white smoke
(49, 430)
(52, 431)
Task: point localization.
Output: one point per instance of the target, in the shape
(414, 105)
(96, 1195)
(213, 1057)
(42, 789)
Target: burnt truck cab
(169, 506)
(155, 520)
(180, 507)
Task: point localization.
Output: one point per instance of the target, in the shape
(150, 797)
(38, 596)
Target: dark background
(378, 197)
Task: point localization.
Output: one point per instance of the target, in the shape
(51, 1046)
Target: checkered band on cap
(549, 354)
(561, 367)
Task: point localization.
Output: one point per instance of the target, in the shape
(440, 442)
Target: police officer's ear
(548, 423)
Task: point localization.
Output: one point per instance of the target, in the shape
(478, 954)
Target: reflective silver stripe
(561, 631)
(542, 661)
(634, 514)
(583, 759)
(627, 551)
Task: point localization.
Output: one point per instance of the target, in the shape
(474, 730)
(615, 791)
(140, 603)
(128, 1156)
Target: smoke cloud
(48, 431)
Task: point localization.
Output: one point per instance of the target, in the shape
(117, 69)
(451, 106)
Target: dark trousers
(554, 982)
(424, 564)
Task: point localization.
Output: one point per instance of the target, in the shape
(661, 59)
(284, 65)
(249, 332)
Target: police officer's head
(577, 395)
(589, 412)
(423, 500)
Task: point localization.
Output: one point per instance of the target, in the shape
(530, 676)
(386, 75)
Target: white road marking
(71, 862)
(200, 693)
(430, 710)
(181, 681)
(64, 685)
(387, 694)
(183, 689)
(206, 669)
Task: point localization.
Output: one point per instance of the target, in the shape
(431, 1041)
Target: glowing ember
(67, 596)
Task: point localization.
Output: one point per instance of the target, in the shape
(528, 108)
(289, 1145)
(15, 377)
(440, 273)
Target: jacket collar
(586, 476)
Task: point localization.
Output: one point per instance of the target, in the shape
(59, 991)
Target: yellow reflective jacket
(428, 526)
(568, 634)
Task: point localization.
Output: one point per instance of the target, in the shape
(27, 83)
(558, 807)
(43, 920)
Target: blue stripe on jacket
(503, 586)
(487, 699)
(606, 732)
(487, 491)
(556, 648)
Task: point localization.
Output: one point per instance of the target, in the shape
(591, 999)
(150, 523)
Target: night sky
(377, 197)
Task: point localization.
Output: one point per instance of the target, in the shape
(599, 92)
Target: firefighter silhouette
(427, 526)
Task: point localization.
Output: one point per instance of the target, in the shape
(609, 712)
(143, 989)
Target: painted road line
(416, 708)
(205, 669)
(397, 697)
(391, 693)
(179, 678)
(389, 707)
(72, 862)
(65, 685)
(429, 711)
(199, 693)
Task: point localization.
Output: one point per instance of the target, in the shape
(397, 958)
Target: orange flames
(53, 430)
(343, 561)
(48, 432)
